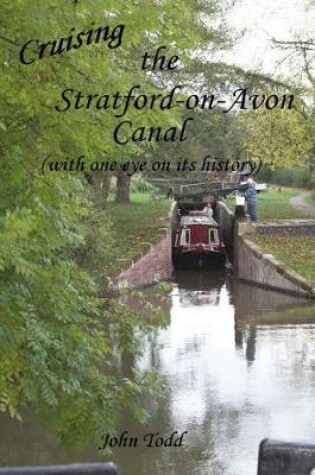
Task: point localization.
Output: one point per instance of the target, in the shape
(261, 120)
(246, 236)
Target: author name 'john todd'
(151, 439)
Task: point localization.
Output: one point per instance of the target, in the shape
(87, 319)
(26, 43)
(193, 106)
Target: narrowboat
(198, 242)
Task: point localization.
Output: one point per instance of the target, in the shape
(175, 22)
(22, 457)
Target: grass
(297, 252)
(136, 197)
(274, 205)
(134, 225)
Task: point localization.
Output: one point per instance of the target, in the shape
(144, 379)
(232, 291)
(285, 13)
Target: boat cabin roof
(199, 219)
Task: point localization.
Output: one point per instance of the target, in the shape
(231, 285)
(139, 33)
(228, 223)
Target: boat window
(213, 236)
(185, 237)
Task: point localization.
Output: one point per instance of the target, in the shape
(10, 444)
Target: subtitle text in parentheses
(44, 164)
(259, 165)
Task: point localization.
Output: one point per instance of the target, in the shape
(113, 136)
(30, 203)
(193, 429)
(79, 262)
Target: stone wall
(225, 218)
(282, 227)
(251, 264)
(255, 266)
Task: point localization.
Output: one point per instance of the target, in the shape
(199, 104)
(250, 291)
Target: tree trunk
(100, 183)
(123, 187)
(312, 167)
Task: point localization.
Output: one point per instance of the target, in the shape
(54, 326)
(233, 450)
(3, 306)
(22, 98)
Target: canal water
(238, 365)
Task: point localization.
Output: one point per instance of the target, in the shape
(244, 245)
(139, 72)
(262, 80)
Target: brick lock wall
(152, 267)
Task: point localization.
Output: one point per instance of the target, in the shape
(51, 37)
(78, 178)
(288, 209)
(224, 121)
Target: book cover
(157, 221)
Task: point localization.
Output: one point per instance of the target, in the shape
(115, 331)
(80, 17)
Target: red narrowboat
(198, 242)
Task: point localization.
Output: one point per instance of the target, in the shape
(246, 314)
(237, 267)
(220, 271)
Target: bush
(297, 177)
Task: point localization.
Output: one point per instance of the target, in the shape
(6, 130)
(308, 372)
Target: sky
(263, 20)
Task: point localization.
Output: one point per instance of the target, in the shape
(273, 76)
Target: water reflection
(204, 288)
(238, 365)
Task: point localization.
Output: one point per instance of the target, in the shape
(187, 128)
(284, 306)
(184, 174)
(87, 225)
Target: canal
(238, 365)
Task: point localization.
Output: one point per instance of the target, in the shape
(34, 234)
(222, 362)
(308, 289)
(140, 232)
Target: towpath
(300, 202)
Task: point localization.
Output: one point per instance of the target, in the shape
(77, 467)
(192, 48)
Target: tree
(57, 352)
(277, 138)
(285, 137)
(212, 134)
(123, 187)
(301, 51)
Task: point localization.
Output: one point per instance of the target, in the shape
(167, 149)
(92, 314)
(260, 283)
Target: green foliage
(58, 348)
(212, 133)
(278, 137)
(295, 177)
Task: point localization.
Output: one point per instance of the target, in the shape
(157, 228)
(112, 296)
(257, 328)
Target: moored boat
(198, 242)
